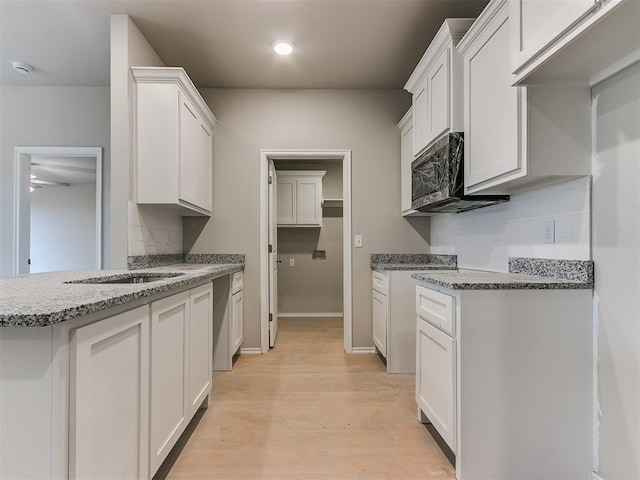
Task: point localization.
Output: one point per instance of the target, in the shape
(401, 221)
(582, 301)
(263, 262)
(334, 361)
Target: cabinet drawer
(437, 308)
(237, 282)
(380, 282)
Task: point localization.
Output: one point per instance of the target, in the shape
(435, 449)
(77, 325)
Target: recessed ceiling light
(23, 68)
(283, 47)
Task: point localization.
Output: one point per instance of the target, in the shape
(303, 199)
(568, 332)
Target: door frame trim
(345, 157)
(22, 167)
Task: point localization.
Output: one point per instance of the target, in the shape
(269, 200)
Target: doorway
(268, 265)
(58, 215)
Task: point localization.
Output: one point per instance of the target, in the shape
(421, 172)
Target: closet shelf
(331, 203)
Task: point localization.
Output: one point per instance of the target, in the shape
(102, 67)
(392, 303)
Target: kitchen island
(101, 379)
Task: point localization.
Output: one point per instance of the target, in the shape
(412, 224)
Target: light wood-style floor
(306, 410)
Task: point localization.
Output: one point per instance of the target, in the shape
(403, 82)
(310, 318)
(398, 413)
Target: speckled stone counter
(135, 262)
(384, 267)
(412, 261)
(530, 274)
(44, 299)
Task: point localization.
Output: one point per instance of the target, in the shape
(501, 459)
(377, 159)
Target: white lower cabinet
(109, 398)
(506, 379)
(237, 300)
(169, 374)
(394, 318)
(200, 341)
(137, 379)
(106, 395)
(436, 381)
(181, 327)
(380, 308)
(228, 320)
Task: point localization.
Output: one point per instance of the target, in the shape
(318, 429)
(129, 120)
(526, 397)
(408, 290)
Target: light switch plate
(357, 241)
(292, 262)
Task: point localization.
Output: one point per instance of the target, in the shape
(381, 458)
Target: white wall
(51, 117)
(63, 228)
(363, 121)
(137, 231)
(485, 238)
(616, 252)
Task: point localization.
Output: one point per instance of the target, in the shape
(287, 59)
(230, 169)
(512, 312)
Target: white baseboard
(251, 351)
(285, 315)
(368, 350)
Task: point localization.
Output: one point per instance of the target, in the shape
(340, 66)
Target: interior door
(273, 254)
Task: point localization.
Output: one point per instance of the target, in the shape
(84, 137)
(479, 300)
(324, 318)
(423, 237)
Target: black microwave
(437, 180)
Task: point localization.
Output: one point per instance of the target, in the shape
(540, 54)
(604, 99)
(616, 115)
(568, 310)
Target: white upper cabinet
(436, 86)
(406, 157)
(541, 22)
(516, 137)
(573, 42)
(173, 151)
(300, 198)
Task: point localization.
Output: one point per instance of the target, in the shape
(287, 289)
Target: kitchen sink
(128, 278)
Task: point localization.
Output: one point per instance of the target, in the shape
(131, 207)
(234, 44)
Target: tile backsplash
(153, 231)
(486, 238)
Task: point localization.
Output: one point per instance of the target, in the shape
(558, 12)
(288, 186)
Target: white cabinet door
(173, 142)
(380, 311)
(439, 96)
(205, 179)
(537, 24)
(491, 115)
(108, 425)
(300, 198)
(436, 86)
(169, 375)
(308, 201)
(286, 200)
(237, 320)
(200, 345)
(189, 154)
(436, 379)
(420, 118)
(406, 157)
(516, 138)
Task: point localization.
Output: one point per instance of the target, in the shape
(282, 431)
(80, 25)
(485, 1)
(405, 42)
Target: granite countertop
(412, 261)
(45, 299)
(532, 274)
(383, 267)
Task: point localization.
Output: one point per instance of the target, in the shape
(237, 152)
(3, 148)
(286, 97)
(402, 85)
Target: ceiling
(227, 43)
(72, 170)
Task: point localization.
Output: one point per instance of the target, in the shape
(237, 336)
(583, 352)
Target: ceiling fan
(36, 182)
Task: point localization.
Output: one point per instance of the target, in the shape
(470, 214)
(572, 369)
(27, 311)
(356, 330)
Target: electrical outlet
(549, 231)
(357, 241)
(292, 262)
